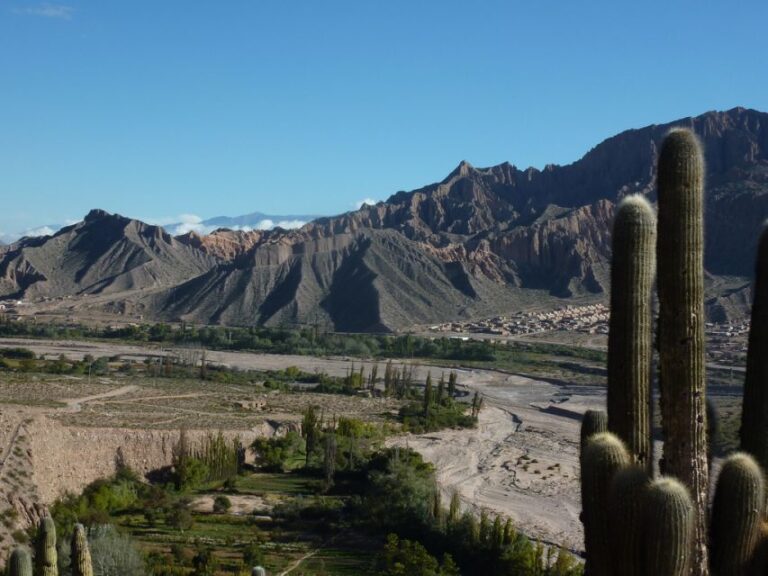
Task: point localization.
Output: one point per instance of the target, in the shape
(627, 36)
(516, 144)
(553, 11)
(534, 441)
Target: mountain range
(482, 241)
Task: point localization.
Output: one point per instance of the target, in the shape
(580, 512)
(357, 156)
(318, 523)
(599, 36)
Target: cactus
(630, 340)
(19, 564)
(625, 509)
(46, 560)
(593, 422)
(713, 430)
(754, 424)
(603, 456)
(758, 565)
(670, 525)
(681, 322)
(81, 555)
(737, 512)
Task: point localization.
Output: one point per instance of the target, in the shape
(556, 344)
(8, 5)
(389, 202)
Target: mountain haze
(480, 242)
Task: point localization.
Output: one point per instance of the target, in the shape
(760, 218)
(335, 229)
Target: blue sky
(160, 108)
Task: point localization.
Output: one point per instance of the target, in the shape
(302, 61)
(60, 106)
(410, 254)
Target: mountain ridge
(480, 241)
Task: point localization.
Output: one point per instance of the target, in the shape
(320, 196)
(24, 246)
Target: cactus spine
(81, 555)
(754, 424)
(630, 339)
(626, 522)
(670, 528)
(19, 564)
(46, 559)
(594, 422)
(603, 456)
(681, 322)
(737, 513)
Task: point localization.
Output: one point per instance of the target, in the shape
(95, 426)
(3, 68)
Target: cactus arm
(630, 338)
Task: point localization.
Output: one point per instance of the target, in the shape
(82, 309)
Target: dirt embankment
(66, 459)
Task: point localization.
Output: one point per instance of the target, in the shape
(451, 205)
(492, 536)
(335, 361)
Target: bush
(113, 553)
(180, 517)
(221, 504)
(405, 557)
(204, 562)
(450, 414)
(276, 454)
(253, 555)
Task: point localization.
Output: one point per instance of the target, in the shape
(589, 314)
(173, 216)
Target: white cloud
(41, 231)
(185, 223)
(47, 10)
(287, 224)
(189, 223)
(365, 201)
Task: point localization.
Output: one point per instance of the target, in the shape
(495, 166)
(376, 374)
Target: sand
(521, 461)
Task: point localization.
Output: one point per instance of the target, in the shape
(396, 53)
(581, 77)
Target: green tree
(276, 454)
(427, 395)
(310, 430)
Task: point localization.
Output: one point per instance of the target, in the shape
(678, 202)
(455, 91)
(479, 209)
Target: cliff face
(474, 243)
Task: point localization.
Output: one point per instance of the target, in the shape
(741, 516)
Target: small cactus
(46, 559)
(593, 422)
(81, 555)
(19, 564)
(630, 335)
(737, 513)
(681, 322)
(625, 508)
(670, 520)
(754, 424)
(603, 456)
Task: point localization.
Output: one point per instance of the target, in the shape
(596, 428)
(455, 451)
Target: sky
(158, 109)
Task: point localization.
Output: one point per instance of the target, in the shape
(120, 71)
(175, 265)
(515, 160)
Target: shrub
(221, 504)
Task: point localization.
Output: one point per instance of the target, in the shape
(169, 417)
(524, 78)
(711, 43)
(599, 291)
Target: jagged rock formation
(474, 243)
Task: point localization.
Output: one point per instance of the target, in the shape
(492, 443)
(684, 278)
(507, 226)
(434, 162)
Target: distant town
(726, 343)
(591, 319)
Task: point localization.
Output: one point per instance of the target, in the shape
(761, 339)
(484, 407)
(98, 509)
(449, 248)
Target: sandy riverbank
(521, 462)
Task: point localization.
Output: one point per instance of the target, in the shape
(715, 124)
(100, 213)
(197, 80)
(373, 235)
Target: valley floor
(521, 461)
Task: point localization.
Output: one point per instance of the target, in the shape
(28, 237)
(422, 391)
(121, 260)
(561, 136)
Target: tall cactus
(681, 322)
(81, 555)
(603, 456)
(46, 559)
(626, 520)
(19, 564)
(670, 521)
(737, 513)
(593, 422)
(630, 337)
(754, 423)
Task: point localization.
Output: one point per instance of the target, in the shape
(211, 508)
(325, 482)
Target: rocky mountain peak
(96, 214)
